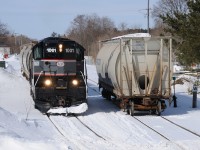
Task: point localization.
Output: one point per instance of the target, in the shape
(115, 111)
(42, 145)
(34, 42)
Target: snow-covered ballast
(56, 70)
(136, 69)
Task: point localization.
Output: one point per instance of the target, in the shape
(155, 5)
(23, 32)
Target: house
(4, 51)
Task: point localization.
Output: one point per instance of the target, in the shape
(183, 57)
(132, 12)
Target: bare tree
(3, 29)
(167, 8)
(89, 29)
(4, 32)
(122, 26)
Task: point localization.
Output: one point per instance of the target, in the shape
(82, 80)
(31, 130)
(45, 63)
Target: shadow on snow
(96, 104)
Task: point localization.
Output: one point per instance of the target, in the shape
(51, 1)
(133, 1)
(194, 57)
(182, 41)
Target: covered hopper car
(55, 68)
(136, 70)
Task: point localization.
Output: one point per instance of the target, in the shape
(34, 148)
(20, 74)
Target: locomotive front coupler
(60, 101)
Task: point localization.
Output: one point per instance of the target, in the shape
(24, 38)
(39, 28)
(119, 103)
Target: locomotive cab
(58, 74)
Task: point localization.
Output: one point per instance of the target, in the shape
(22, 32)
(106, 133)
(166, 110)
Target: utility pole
(148, 18)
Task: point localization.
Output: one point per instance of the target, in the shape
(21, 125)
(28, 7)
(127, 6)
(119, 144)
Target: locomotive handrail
(83, 78)
(38, 77)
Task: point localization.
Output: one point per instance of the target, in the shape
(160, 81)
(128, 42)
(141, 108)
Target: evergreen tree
(185, 27)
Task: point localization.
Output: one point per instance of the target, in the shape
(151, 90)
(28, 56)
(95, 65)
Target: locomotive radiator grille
(61, 84)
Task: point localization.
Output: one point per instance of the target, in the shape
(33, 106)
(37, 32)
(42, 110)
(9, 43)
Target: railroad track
(157, 132)
(78, 121)
(93, 81)
(89, 127)
(162, 121)
(60, 129)
(94, 88)
(160, 134)
(151, 128)
(178, 132)
(56, 127)
(192, 132)
(187, 130)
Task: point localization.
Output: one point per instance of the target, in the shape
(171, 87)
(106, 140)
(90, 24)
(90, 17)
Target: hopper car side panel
(137, 72)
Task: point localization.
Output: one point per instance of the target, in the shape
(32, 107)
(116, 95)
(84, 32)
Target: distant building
(89, 60)
(195, 66)
(4, 50)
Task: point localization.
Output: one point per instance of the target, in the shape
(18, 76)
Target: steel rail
(151, 128)
(190, 131)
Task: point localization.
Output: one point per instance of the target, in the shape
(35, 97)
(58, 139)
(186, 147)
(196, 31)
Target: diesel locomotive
(56, 70)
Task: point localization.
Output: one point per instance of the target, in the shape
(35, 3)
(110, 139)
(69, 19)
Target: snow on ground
(23, 127)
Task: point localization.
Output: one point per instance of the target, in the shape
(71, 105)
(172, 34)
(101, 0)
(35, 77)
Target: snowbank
(72, 109)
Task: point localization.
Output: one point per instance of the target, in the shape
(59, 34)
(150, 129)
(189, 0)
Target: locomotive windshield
(58, 50)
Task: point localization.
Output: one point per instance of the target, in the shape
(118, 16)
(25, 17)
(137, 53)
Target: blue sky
(39, 18)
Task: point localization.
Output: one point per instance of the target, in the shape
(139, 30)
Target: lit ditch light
(47, 82)
(75, 82)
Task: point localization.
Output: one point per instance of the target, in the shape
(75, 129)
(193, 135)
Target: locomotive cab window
(79, 54)
(37, 52)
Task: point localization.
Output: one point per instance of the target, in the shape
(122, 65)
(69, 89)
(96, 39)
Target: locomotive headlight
(48, 82)
(60, 48)
(75, 82)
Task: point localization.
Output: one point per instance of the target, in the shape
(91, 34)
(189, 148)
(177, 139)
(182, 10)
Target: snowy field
(103, 126)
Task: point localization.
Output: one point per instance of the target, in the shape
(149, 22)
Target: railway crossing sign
(195, 88)
(174, 78)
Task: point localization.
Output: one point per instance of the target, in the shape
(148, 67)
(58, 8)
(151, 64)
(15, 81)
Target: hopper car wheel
(103, 93)
(152, 112)
(106, 94)
(131, 108)
(159, 108)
